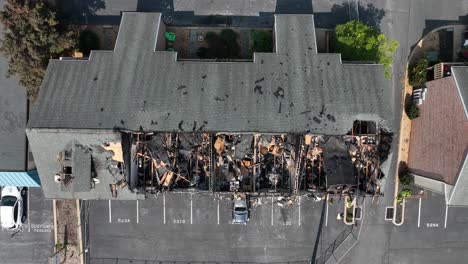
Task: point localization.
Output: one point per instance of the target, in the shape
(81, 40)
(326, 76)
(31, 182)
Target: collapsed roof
(137, 88)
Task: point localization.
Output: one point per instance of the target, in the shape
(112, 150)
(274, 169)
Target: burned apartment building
(139, 120)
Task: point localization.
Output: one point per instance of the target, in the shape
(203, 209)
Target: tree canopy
(32, 36)
(357, 41)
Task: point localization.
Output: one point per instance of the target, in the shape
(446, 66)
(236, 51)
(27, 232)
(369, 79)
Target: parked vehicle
(11, 209)
(240, 211)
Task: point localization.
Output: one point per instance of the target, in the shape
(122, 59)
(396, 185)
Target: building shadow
(340, 14)
(92, 12)
(432, 24)
(293, 7)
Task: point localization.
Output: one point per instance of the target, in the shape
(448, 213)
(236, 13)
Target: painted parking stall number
(44, 228)
(123, 220)
(432, 225)
(178, 221)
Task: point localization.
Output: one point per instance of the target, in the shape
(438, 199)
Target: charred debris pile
(283, 164)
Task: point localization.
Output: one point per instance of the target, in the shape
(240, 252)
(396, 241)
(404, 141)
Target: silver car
(240, 211)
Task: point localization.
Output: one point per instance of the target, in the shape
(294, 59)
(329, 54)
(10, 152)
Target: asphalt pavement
(33, 242)
(198, 227)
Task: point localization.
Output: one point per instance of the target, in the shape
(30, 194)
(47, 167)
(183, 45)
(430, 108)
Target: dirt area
(67, 235)
(190, 39)
(107, 35)
(404, 144)
(405, 131)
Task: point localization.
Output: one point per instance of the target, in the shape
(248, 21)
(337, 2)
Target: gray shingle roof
(460, 73)
(48, 143)
(135, 87)
(459, 194)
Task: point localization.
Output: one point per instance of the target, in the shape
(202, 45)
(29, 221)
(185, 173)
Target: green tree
(357, 41)
(32, 35)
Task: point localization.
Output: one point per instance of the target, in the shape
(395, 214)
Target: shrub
(406, 179)
(417, 73)
(262, 41)
(222, 46)
(229, 39)
(399, 198)
(228, 36)
(88, 41)
(406, 193)
(412, 111)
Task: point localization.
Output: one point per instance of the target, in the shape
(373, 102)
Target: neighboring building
(90, 113)
(438, 153)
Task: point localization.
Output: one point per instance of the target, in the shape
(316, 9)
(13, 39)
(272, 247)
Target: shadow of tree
(340, 14)
(79, 10)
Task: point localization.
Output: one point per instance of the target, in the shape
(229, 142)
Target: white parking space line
(137, 216)
(191, 209)
(446, 213)
(29, 224)
(299, 220)
(271, 210)
(218, 211)
(164, 207)
(326, 212)
(419, 213)
(110, 212)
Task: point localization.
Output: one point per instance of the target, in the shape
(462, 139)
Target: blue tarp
(20, 178)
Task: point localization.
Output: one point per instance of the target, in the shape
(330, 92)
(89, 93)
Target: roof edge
(465, 104)
(465, 163)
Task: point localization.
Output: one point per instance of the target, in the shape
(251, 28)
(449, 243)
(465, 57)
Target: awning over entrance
(20, 179)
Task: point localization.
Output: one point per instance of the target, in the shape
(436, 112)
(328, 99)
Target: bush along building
(137, 119)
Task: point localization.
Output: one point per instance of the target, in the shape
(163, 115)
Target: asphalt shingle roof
(135, 87)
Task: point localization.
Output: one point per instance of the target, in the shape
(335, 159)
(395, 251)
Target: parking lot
(430, 211)
(198, 227)
(33, 242)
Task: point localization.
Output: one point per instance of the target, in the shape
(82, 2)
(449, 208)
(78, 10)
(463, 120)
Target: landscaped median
(349, 211)
(67, 235)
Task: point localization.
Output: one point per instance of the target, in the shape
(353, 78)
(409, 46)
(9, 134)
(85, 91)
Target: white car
(11, 209)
